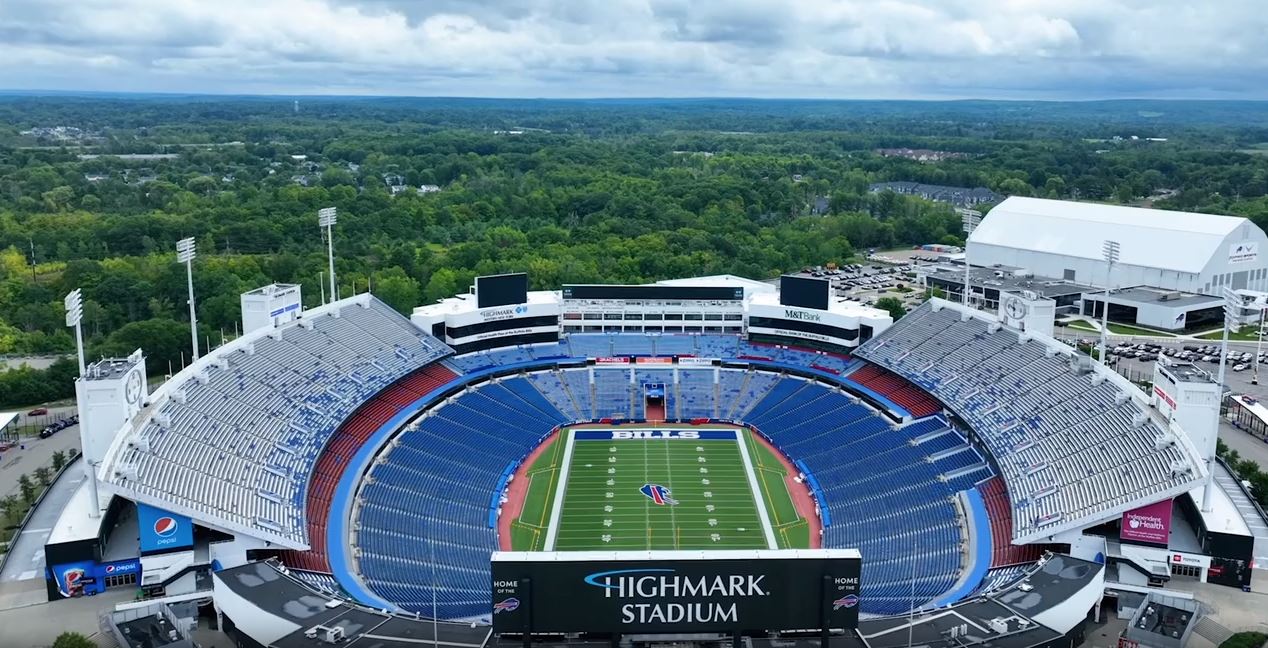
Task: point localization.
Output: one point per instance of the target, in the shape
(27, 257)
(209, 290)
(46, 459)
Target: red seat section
(343, 446)
(896, 388)
(1000, 510)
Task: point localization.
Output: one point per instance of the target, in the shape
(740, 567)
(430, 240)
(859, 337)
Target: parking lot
(867, 282)
(1134, 358)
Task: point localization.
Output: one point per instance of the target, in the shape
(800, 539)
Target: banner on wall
(1151, 524)
(163, 531)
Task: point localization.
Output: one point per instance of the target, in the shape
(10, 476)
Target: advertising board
(1151, 524)
(675, 591)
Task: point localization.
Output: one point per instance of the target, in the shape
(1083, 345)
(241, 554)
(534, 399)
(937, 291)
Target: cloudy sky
(1050, 49)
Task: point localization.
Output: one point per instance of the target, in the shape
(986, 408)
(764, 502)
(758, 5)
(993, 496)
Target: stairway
(1212, 630)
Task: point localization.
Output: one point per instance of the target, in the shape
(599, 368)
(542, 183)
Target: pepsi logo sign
(165, 527)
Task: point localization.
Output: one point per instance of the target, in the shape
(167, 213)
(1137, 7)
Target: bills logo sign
(848, 601)
(655, 434)
(506, 605)
(1244, 252)
(658, 494)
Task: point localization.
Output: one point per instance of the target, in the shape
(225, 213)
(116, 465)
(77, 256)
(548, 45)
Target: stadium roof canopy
(1152, 238)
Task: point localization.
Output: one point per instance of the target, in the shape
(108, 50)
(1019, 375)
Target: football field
(657, 488)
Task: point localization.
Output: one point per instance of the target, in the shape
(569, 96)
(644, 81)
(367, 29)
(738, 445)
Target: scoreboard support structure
(729, 593)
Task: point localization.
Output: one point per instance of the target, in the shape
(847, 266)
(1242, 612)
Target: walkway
(26, 557)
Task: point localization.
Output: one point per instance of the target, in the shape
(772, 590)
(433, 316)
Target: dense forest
(95, 191)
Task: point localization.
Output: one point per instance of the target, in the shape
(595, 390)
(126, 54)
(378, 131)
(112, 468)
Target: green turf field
(605, 505)
(629, 520)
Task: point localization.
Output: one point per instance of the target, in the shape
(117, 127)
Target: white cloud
(808, 48)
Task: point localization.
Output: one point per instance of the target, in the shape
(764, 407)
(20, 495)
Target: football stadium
(693, 459)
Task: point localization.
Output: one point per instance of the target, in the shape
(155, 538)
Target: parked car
(39, 411)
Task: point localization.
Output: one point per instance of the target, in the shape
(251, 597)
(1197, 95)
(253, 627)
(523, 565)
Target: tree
(43, 476)
(59, 460)
(27, 487)
(396, 289)
(72, 640)
(893, 305)
(12, 507)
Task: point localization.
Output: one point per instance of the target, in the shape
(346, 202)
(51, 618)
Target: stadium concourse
(362, 451)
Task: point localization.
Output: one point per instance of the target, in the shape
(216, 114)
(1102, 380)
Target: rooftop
(1154, 238)
(836, 305)
(110, 368)
(1185, 371)
(979, 276)
(1169, 298)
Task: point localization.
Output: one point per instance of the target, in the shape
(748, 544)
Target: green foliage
(27, 386)
(589, 192)
(43, 476)
(27, 488)
(1246, 640)
(59, 459)
(893, 305)
(1246, 470)
(72, 640)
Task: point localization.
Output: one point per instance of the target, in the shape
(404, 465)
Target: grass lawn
(1123, 329)
(1247, 334)
(1117, 329)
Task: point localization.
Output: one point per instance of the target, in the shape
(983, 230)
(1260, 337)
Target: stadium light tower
(326, 218)
(970, 219)
(74, 303)
(185, 253)
(1110, 252)
(1232, 310)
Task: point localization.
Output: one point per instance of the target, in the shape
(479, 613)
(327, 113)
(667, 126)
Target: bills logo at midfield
(508, 605)
(165, 527)
(658, 494)
(847, 601)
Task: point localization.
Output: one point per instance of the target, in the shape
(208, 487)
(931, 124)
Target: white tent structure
(1183, 251)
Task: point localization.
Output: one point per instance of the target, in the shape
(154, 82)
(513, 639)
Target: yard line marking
(669, 477)
(557, 506)
(755, 493)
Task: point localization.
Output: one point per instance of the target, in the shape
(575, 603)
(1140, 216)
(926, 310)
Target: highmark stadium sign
(675, 591)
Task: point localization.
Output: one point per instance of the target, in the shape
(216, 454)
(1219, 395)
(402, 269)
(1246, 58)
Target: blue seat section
(425, 505)
(696, 393)
(671, 345)
(612, 393)
(552, 386)
(885, 493)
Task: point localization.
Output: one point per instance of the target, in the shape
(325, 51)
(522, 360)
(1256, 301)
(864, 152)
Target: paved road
(1246, 444)
(33, 453)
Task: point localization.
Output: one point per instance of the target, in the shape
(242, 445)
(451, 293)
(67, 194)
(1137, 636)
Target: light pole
(970, 219)
(185, 253)
(74, 303)
(1232, 311)
(1259, 346)
(1109, 251)
(326, 218)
